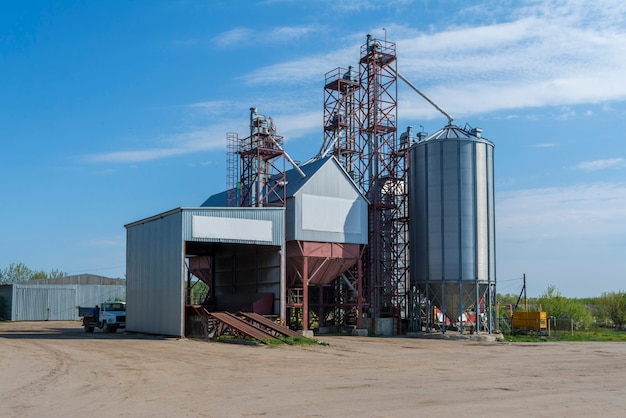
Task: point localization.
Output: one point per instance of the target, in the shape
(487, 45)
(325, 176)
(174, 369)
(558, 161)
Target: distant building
(57, 299)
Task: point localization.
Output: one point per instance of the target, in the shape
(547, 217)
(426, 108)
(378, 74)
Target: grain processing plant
(380, 233)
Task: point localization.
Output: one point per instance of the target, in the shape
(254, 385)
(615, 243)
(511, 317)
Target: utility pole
(523, 292)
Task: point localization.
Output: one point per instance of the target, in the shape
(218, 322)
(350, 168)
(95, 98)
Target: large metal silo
(452, 224)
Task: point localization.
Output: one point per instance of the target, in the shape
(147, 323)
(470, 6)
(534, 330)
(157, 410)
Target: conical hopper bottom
(452, 298)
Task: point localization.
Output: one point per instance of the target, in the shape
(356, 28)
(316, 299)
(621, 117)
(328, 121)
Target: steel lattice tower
(256, 165)
(381, 173)
(343, 300)
(341, 130)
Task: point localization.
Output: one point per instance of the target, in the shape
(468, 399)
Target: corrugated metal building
(57, 299)
(245, 246)
(243, 249)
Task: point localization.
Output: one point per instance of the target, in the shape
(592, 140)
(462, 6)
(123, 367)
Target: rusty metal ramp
(272, 327)
(239, 328)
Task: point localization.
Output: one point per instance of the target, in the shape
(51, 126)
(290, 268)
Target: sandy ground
(53, 369)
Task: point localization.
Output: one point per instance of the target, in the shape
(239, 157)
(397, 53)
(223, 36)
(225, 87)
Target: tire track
(57, 364)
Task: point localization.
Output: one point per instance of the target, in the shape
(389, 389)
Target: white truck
(109, 316)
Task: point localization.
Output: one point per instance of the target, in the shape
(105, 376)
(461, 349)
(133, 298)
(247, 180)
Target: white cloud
(308, 69)
(551, 53)
(279, 34)
(572, 213)
(217, 108)
(346, 6)
(290, 33)
(602, 164)
(171, 146)
(554, 53)
(566, 113)
(232, 37)
(294, 126)
(132, 156)
(289, 124)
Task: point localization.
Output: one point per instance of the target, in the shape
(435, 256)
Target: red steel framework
(256, 165)
(342, 302)
(380, 171)
(324, 279)
(341, 130)
(360, 130)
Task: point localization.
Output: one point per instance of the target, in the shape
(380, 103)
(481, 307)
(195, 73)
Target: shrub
(612, 307)
(555, 305)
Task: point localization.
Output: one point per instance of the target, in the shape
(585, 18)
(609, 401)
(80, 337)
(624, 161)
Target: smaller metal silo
(452, 225)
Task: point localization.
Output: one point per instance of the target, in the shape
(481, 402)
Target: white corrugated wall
(58, 302)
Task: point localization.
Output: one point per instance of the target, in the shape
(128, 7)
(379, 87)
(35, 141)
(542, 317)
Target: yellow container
(530, 320)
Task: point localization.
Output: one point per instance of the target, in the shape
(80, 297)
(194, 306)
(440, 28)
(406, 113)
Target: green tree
(16, 272)
(38, 275)
(20, 272)
(612, 306)
(56, 274)
(506, 302)
(558, 306)
(199, 291)
(507, 299)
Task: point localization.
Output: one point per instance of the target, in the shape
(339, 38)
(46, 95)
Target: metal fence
(560, 326)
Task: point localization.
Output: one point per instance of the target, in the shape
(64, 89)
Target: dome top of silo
(453, 132)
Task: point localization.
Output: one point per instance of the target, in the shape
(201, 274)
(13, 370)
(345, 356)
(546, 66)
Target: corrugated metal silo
(452, 224)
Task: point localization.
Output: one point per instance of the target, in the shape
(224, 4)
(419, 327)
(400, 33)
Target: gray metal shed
(57, 299)
(245, 245)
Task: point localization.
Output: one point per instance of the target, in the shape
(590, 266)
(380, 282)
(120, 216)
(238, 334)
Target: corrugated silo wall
(452, 222)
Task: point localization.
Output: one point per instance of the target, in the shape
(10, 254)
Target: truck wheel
(110, 329)
(88, 328)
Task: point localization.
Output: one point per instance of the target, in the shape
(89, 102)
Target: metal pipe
(331, 145)
(403, 78)
(293, 163)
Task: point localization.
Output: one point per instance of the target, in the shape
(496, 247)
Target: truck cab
(109, 316)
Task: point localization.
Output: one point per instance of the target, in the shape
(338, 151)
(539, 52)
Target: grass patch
(229, 339)
(301, 341)
(597, 335)
(272, 342)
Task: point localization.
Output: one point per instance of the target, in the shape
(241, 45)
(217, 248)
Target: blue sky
(112, 111)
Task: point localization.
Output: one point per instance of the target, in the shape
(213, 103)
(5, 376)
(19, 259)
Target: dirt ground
(54, 369)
